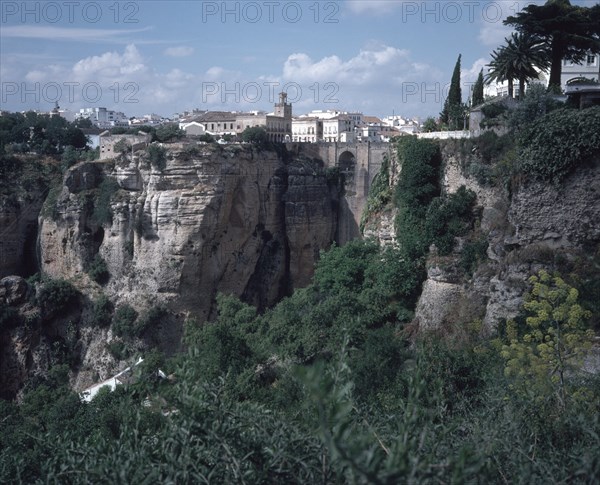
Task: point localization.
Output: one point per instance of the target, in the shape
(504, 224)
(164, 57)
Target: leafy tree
(158, 156)
(452, 112)
(122, 146)
(98, 270)
(555, 338)
(206, 137)
(56, 296)
(69, 157)
(102, 311)
(430, 125)
(536, 103)
(518, 59)
(477, 97)
(448, 218)
(569, 31)
(255, 134)
(124, 321)
(102, 213)
(169, 132)
(83, 123)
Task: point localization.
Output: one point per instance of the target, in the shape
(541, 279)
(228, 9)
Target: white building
(589, 68)
(307, 129)
(333, 128)
(103, 118)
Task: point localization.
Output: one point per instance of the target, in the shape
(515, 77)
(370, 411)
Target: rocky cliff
(234, 219)
(534, 225)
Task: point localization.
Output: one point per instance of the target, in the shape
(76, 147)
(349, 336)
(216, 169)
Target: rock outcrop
(526, 231)
(230, 220)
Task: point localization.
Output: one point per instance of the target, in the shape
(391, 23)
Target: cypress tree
(477, 97)
(452, 106)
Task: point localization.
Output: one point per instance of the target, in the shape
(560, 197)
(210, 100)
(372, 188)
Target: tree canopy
(452, 114)
(519, 59)
(569, 31)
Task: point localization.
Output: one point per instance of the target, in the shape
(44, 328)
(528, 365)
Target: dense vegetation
(325, 388)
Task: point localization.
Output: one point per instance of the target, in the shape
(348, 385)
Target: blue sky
(374, 56)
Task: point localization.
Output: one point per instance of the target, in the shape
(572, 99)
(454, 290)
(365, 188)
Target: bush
(418, 185)
(473, 253)
(151, 318)
(124, 321)
(554, 145)
(102, 312)
(158, 156)
(56, 296)
(537, 103)
(255, 134)
(98, 270)
(448, 218)
(207, 137)
(170, 132)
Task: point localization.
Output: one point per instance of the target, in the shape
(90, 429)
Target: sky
(379, 57)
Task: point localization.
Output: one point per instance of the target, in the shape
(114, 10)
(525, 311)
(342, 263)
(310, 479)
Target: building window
(591, 60)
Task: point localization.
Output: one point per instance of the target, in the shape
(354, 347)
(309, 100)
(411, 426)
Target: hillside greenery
(323, 388)
(331, 385)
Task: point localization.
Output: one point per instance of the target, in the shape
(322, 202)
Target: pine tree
(452, 112)
(477, 97)
(570, 31)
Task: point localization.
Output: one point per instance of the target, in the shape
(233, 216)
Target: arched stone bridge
(359, 162)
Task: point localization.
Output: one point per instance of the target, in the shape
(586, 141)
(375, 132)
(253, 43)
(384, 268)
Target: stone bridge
(359, 162)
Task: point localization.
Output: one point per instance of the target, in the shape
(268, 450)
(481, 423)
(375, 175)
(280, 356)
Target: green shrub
(124, 321)
(169, 132)
(102, 312)
(151, 318)
(472, 254)
(119, 350)
(98, 270)
(554, 145)
(448, 218)
(537, 103)
(50, 209)
(493, 114)
(56, 296)
(207, 137)
(418, 185)
(158, 156)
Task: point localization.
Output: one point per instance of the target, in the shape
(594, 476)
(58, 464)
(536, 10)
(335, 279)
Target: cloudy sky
(374, 56)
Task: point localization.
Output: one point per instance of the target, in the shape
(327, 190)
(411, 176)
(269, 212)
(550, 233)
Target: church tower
(283, 109)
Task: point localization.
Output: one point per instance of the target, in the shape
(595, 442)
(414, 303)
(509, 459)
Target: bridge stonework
(359, 162)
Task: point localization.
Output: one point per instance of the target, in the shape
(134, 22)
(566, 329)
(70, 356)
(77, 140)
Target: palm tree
(518, 59)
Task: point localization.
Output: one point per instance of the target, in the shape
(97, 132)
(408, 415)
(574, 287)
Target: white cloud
(179, 51)
(111, 65)
(364, 67)
(377, 80)
(493, 34)
(64, 33)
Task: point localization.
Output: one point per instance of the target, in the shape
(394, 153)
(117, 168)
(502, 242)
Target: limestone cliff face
(526, 231)
(230, 220)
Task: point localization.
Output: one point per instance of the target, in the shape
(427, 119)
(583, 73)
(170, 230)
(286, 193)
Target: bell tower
(283, 109)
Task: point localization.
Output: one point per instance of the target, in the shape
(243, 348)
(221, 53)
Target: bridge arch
(347, 161)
